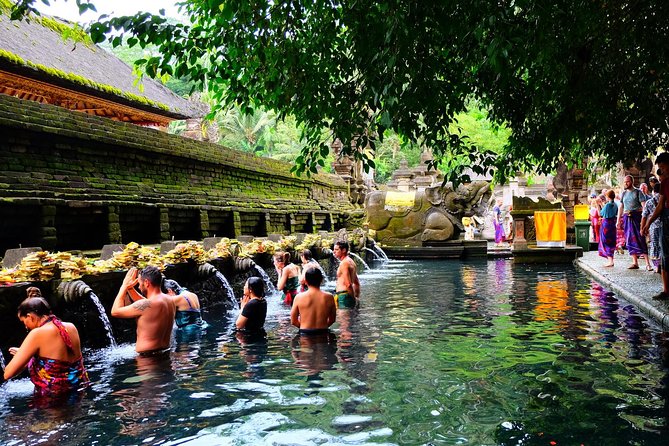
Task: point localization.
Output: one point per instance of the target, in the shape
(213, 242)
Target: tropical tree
(570, 78)
(245, 131)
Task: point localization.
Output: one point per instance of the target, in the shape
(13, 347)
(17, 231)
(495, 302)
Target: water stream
(376, 255)
(103, 317)
(269, 286)
(2, 362)
(378, 249)
(356, 256)
(228, 289)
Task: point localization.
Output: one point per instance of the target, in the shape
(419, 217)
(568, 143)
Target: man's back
(154, 325)
(313, 310)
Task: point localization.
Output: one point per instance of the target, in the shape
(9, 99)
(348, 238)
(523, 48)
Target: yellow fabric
(551, 226)
(400, 199)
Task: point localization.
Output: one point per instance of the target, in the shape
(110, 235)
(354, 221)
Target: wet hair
(152, 274)
(653, 180)
(281, 256)
(256, 286)
(342, 245)
(33, 291)
(37, 305)
(306, 254)
(662, 158)
(611, 194)
(657, 188)
(313, 277)
(172, 285)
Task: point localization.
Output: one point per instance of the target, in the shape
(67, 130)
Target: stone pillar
(314, 225)
(268, 223)
(204, 223)
(164, 223)
(291, 223)
(114, 225)
(519, 241)
(237, 223)
(331, 225)
(48, 236)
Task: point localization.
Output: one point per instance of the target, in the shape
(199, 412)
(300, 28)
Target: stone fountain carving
(420, 217)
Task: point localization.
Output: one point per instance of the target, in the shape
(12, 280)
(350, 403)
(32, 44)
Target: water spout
(376, 255)
(352, 254)
(75, 290)
(270, 288)
(207, 270)
(378, 249)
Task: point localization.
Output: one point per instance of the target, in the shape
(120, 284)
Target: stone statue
(416, 218)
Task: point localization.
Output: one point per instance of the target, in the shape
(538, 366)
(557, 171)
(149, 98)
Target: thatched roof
(53, 51)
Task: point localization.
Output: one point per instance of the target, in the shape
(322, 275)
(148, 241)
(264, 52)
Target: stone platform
(547, 255)
(451, 249)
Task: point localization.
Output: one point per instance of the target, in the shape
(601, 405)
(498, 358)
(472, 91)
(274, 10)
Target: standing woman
(253, 306)
(289, 276)
(595, 207)
(654, 229)
(498, 222)
(52, 351)
(608, 232)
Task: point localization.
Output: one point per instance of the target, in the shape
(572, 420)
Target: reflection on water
(439, 353)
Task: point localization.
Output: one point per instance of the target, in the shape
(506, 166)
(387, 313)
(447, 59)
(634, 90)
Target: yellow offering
(551, 228)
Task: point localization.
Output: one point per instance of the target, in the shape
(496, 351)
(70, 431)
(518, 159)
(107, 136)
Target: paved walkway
(635, 286)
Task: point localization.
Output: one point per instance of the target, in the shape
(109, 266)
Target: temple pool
(475, 353)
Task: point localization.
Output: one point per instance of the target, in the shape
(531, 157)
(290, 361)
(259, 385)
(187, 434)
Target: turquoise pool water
(476, 353)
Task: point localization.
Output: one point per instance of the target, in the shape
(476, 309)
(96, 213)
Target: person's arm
(119, 309)
(242, 319)
(355, 283)
(134, 295)
(22, 355)
(656, 213)
(620, 214)
(281, 283)
(332, 317)
(295, 313)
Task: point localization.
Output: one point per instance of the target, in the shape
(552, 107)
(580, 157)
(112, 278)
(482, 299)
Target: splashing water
(354, 255)
(271, 289)
(227, 288)
(103, 318)
(376, 255)
(2, 362)
(376, 248)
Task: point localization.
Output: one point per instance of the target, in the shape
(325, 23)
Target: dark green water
(476, 353)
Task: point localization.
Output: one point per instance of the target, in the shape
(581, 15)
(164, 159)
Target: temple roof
(55, 52)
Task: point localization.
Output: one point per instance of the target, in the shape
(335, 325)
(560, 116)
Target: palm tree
(246, 131)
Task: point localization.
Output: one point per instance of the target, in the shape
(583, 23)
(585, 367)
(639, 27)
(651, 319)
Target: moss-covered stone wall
(126, 180)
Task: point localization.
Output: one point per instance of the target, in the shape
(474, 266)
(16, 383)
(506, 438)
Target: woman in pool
(188, 312)
(253, 306)
(307, 262)
(51, 351)
(289, 276)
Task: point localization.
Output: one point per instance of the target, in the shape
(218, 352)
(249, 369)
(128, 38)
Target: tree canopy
(570, 79)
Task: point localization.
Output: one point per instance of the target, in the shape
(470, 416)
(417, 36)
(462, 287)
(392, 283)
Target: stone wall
(70, 180)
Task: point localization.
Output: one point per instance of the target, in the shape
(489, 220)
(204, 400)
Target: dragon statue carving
(422, 217)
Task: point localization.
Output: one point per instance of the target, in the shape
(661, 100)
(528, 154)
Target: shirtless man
(314, 310)
(155, 313)
(348, 286)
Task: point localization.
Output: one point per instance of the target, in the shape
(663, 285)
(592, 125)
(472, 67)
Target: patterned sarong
(52, 376)
(607, 237)
(636, 243)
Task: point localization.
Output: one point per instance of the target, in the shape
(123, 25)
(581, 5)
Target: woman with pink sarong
(51, 351)
(498, 222)
(607, 232)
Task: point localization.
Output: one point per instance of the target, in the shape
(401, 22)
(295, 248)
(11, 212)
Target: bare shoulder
(142, 304)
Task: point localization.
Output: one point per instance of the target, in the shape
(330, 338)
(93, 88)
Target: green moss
(75, 78)
(74, 33)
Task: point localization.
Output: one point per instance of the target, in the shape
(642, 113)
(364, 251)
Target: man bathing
(314, 310)
(154, 313)
(348, 286)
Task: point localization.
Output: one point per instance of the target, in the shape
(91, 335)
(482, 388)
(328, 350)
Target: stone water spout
(207, 270)
(243, 264)
(78, 289)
